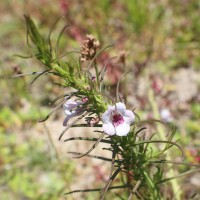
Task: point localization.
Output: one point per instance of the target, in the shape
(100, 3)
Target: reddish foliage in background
(156, 84)
(114, 71)
(64, 6)
(99, 174)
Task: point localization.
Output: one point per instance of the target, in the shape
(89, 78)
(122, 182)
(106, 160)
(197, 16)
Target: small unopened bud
(93, 78)
(93, 121)
(17, 70)
(84, 99)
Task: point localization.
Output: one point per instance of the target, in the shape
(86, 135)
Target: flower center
(117, 119)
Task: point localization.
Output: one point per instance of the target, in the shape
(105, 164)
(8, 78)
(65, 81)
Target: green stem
(97, 73)
(161, 132)
(152, 187)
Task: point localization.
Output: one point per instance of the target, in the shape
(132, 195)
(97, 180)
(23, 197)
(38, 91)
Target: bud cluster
(89, 48)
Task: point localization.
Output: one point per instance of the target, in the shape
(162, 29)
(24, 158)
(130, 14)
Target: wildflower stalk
(132, 154)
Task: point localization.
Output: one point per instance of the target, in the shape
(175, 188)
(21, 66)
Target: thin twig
(55, 109)
(97, 189)
(103, 192)
(134, 189)
(93, 146)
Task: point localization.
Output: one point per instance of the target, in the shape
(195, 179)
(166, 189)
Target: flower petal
(109, 129)
(71, 115)
(106, 116)
(129, 117)
(120, 107)
(122, 129)
(67, 112)
(110, 107)
(66, 120)
(69, 105)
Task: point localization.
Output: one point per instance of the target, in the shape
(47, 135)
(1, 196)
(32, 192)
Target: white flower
(117, 120)
(71, 109)
(166, 116)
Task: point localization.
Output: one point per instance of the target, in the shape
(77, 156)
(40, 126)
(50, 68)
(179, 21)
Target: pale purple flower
(166, 115)
(72, 109)
(117, 120)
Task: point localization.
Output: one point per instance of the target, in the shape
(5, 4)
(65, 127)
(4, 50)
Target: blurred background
(157, 41)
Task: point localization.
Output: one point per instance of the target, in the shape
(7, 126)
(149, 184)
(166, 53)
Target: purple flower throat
(117, 119)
